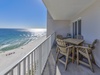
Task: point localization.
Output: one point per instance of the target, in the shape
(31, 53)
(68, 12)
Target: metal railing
(34, 62)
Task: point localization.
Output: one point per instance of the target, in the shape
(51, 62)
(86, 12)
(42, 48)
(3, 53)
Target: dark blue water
(14, 38)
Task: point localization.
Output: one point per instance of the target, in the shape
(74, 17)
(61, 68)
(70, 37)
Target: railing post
(18, 69)
(32, 64)
(28, 65)
(24, 66)
(40, 60)
(11, 73)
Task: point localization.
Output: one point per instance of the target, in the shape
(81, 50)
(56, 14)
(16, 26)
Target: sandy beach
(6, 60)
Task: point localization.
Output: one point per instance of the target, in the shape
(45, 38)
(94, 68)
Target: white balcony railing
(34, 62)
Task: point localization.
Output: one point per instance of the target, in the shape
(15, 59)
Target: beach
(10, 57)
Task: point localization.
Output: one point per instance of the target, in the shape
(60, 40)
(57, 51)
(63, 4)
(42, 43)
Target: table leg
(73, 54)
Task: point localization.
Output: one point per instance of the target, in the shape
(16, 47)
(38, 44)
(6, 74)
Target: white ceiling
(66, 9)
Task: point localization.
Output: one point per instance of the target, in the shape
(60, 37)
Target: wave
(12, 46)
(4, 46)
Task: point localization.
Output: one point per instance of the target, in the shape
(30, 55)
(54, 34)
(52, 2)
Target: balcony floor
(73, 69)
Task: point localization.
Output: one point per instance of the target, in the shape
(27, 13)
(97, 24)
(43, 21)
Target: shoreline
(18, 53)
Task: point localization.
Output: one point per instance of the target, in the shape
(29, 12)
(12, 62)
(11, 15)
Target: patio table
(74, 42)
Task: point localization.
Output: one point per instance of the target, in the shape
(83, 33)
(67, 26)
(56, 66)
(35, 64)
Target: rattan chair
(86, 52)
(64, 51)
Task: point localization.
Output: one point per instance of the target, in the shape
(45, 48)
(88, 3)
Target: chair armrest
(69, 46)
(84, 47)
(86, 44)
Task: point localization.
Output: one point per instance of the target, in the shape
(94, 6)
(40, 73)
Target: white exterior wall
(59, 26)
(91, 27)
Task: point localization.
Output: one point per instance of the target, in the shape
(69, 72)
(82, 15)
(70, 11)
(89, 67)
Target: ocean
(14, 38)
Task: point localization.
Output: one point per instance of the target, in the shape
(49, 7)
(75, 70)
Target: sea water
(14, 38)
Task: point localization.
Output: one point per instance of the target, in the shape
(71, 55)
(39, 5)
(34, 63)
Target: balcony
(41, 61)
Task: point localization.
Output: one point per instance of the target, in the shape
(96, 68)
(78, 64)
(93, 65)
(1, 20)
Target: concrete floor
(73, 69)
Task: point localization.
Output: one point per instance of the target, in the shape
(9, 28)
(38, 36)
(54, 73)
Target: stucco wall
(59, 26)
(91, 27)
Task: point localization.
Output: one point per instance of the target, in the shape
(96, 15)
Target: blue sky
(22, 14)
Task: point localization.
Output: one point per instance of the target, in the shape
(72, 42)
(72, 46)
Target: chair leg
(93, 60)
(77, 57)
(57, 56)
(67, 56)
(62, 56)
(73, 54)
(90, 63)
(56, 49)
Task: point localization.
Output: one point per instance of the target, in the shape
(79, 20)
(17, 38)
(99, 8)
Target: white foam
(4, 46)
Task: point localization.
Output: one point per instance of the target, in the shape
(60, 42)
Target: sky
(22, 14)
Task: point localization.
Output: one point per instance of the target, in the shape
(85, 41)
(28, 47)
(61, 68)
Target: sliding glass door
(76, 28)
(79, 27)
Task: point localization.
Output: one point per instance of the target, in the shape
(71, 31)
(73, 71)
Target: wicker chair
(86, 52)
(64, 51)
